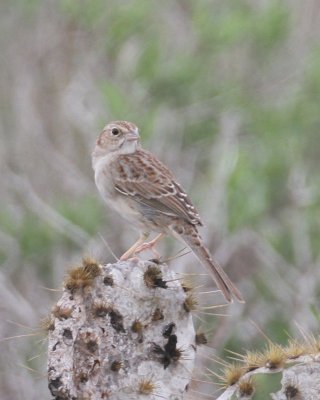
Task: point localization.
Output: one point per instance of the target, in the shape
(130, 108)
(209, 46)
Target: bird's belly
(120, 204)
(124, 208)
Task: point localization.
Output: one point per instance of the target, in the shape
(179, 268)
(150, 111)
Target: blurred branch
(224, 157)
(10, 246)
(11, 296)
(47, 213)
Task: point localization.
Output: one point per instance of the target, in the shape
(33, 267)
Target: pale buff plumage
(142, 189)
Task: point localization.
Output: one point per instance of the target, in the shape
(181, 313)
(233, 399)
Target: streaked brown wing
(142, 176)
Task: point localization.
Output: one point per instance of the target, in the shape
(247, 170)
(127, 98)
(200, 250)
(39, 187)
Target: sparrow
(136, 184)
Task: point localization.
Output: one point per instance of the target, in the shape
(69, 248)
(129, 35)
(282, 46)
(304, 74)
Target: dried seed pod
(82, 276)
(200, 338)
(116, 365)
(190, 303)
(100, 309)
(146, 386)
(153, 278)
(157, 315)
(246, 387)
(61, 312)
(137, 326)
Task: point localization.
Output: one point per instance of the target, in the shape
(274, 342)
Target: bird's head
(118, 136)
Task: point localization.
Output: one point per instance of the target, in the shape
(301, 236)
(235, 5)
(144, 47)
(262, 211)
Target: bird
(136, 184)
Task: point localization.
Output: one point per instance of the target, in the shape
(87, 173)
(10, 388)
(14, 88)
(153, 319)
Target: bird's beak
(132, 136)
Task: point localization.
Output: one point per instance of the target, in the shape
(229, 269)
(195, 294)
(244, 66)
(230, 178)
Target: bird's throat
(129, 147)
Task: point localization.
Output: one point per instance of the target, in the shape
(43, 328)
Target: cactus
(125, 331)
(121, 331)
(298, 363)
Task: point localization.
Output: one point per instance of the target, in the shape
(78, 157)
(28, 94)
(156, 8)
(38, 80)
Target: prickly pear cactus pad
(121, 331)
(298, 378)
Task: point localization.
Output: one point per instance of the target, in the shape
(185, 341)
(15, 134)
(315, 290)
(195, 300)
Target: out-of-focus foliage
(226, 92)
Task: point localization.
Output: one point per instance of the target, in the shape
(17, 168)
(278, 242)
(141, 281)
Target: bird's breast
(125, 206)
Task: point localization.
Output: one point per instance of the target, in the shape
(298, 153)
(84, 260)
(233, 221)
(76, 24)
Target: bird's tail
(194, 242)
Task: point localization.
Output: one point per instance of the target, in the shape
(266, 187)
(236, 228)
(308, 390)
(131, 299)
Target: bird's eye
(115, 131)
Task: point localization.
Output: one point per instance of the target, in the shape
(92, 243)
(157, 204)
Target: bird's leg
(143, 236)
(150, 246)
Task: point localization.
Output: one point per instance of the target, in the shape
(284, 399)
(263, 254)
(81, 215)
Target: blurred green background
(226, 92)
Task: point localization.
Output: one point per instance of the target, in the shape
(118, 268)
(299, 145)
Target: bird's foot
(131, 252)
(129, 256)
(150, 246)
